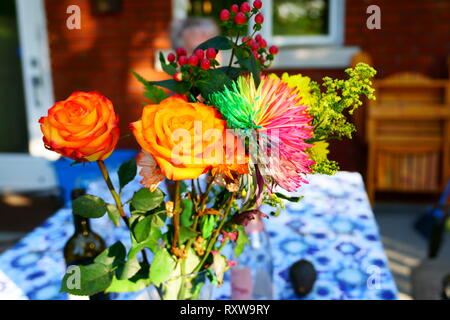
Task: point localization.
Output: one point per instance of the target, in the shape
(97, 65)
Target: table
(333, 227)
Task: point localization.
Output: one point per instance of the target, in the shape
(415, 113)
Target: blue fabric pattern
(333, 227)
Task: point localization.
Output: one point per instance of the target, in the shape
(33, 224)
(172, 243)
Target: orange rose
(185, 139)
(83, 128)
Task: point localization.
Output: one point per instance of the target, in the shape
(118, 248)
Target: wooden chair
(408, 133)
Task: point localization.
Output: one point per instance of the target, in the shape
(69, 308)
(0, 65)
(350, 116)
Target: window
(304, 22)
(310, 33)
(209, 8)
(287, 22)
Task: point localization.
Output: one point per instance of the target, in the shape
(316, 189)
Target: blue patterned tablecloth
(333, 227)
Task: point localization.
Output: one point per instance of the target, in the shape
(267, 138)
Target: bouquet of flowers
(245, 133)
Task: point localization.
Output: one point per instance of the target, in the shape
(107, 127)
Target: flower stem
(176, 217)
(117, 199)
(204, 197)
(216, 234)
(232, 54)
(113, 192)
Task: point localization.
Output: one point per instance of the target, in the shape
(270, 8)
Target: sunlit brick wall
(414, 35)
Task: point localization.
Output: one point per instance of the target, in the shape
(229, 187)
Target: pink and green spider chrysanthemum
(273, 113)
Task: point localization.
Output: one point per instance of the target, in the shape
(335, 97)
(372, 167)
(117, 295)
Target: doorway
(13, 124)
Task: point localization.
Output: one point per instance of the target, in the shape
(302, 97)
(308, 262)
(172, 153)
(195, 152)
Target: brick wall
(414, 36)
(101, 54)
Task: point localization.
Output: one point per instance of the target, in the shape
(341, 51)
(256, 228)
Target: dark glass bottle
(84, 245)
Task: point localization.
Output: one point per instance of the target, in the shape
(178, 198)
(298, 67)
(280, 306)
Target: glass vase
(188, 287)
(252, 278)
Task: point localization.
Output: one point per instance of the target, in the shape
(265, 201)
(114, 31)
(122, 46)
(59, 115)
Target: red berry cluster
(189, 66)
(241, 15)
(258, 47)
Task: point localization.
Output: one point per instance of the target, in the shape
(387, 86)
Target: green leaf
(140, 78)
(285, 197)
(89, 206)
(158, 220)
(192, 260)
(136, 283)
(87, 280)
(207, 224)
(150, 242)
(276, 213)
(152, 92)
(183, 187)
(113, 256)
(162, 266)
(142, 229)
(233, 72)
(216, 81)
(145, 200)
(175, 86)
(127, 172)
(128, 285)
(251, 65)
(113, 214)
(186, 215)
(186, 234)
(241, 241)
(129, 269)
(218, 42)
(170, 70)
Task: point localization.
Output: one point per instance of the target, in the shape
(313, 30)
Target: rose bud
(257, 4)
(199, 53)
(181, 52)
(245, 7)
(240, 18)
(171, 57)
(211, 53)
(259, 18)
(255, 54)
(245, 39)
(234, 8)
(178, 76)
(224, 15)
(182, 60)
(205, 64)
(193, 60)
(273, 50)
(258, 37)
